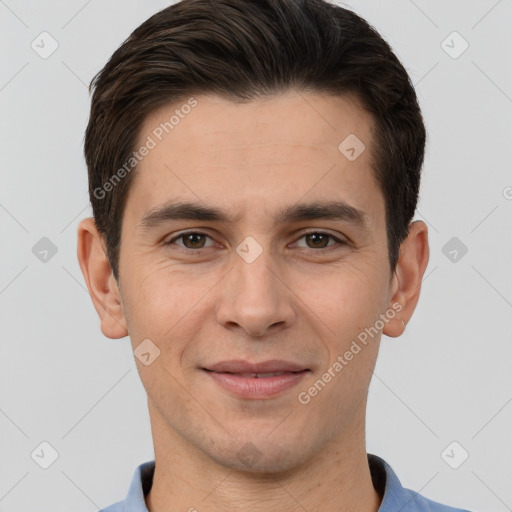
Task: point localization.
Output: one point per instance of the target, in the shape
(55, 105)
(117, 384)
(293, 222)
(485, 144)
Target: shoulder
(395, 496)
(140, 485)
(116, 507)
(419, 503)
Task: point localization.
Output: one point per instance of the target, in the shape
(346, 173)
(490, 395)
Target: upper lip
(240, 366)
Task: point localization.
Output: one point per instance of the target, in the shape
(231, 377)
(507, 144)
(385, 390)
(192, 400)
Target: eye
(191, 240)
(319, 240)
(195, 240)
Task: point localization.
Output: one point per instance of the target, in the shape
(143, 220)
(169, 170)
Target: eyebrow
(329, 210)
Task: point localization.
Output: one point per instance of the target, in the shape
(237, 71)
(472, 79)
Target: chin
(258, 455)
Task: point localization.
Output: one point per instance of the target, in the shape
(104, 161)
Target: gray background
(446, 379)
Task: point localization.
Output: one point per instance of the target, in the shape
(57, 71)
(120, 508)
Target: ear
(103, 288)
(407, 278)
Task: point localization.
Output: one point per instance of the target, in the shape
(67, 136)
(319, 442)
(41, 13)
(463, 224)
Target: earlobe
(100, 281)
(406, 281)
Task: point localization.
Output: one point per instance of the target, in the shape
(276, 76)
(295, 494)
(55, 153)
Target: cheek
(345, 301)
(346, 306)
(166, 305)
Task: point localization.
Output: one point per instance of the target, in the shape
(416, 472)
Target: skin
(297, 301)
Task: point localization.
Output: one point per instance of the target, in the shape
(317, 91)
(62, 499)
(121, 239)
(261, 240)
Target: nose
(256, 297)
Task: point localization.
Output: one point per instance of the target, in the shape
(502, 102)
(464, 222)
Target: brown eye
(319, 240)
(193, 240)
(190, 240)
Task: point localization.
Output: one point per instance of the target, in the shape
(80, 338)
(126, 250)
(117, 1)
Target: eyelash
(184, 234)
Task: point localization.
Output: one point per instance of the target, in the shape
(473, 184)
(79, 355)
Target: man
(254, 168)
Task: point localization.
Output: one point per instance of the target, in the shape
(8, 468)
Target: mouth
(256, 380)
(257, 375)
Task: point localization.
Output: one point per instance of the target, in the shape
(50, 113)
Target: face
(281, 255)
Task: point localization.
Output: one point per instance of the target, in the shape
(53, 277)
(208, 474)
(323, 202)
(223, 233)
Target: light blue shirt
(395, 497)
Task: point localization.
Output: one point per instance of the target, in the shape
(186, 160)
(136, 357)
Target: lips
(251, 381)
(265, 368)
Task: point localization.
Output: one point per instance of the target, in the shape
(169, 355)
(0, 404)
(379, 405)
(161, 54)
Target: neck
(337, 479)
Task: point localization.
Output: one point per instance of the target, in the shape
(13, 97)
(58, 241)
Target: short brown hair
(241, 50)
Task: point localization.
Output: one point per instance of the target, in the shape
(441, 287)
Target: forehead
(313, 121)
(280, 148)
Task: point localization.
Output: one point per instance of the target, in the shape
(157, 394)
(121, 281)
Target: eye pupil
(193, 238)
(318, 237)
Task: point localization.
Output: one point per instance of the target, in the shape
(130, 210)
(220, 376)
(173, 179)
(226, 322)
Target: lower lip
(253, 387)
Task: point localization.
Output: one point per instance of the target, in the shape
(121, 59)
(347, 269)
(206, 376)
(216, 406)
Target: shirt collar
(384, 479)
